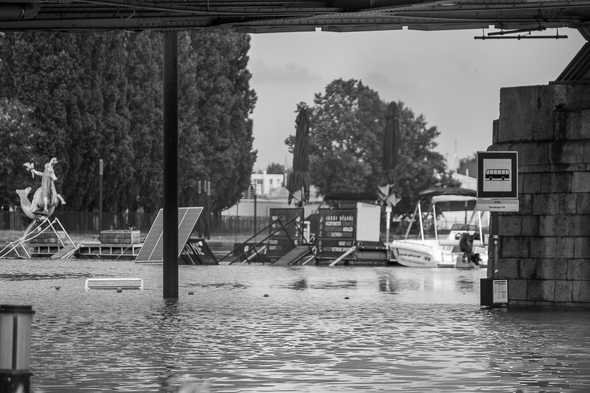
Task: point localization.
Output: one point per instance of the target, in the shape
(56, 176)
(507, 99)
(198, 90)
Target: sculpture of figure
(46, 197)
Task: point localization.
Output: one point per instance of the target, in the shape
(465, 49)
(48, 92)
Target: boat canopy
(431, 192)
(349, 196)
(452, 198)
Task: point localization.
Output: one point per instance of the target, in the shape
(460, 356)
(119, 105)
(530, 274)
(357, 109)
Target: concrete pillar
(545, 247)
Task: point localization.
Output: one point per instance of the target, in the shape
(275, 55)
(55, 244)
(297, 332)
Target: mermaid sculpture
(39, 210)
(46, 198)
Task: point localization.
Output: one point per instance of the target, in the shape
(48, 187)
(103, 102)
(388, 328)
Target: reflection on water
(334, 284)
(465, 283)
(387, 283)
(317, 330)
(229, 285)
(298, 284)
(19, 276)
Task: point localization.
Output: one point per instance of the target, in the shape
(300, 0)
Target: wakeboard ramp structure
(191, 251)
(63, 247)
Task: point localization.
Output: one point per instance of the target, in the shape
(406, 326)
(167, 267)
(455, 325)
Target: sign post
(497, 191)
(100, 175)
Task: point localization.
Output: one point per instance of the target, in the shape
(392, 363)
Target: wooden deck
(91, 250)
(109, 251)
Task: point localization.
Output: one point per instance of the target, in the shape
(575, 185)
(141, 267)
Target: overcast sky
(450, 78)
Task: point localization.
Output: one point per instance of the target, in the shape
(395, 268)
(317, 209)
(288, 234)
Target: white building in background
(270, 193)
(266, 183)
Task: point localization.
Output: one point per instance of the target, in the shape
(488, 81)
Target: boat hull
(414, 254)
(429, 254)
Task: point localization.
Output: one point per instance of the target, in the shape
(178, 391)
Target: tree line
(91, 96)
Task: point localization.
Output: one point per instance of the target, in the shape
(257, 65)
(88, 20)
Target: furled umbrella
(391, 139)
(299, 179)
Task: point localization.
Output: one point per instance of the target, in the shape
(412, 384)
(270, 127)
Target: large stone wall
(545, 247)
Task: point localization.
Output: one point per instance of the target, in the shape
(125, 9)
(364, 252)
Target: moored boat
(444, 252)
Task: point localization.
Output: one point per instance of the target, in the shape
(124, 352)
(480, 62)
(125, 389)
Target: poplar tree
(82, 97)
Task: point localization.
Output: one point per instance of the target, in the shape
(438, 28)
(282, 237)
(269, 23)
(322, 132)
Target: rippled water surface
(317, 330)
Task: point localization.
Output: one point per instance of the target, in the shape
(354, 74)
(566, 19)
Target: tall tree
(98, 95)
(275, 168)
(144, 98)
(347, 133)
(345, 125)
(42, 71)
(216, 127)
(17, 134)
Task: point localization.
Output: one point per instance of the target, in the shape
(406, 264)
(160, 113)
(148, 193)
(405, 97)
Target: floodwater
(346, 329)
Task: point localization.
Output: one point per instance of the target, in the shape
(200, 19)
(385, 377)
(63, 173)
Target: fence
(87, 222)
(80, 222)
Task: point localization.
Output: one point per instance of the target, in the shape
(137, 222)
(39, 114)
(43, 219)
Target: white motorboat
(442, 252)
(420, 253)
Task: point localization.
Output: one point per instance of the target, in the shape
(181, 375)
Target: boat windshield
(464, 227)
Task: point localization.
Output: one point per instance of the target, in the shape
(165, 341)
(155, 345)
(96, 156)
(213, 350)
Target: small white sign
(500, 291)
(497, 204)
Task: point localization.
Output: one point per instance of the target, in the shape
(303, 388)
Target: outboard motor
(466, 245)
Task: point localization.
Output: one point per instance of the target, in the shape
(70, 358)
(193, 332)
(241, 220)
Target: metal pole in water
(481, 239)
(170, 227)
(255, 212)
(434, 220)
(421, 223)
(15, 348)
(496, 255)
(100, 176)
(207, 209)
(387, 227)
(494, 246)
(387, 222)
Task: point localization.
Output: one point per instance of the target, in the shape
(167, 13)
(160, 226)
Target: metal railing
(82, 222)
(257, 247)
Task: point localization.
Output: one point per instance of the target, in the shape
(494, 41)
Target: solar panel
(153, 248)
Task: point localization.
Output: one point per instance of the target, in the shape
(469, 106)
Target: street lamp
(204, 187)
(100, 176)
(253, 191)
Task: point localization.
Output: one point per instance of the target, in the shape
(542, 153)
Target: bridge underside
(263, 16)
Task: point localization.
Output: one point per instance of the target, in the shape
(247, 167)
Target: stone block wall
(544, 249)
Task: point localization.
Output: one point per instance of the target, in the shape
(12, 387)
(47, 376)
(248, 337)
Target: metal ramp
(292, 257)
(66, 252)
(153, 247)
(197, 252)
(341, 257)
(253, 248)
(42, 225)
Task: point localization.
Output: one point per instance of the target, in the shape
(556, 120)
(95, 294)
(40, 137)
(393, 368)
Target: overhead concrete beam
(585, 31)
(578, 70)
(19, 10)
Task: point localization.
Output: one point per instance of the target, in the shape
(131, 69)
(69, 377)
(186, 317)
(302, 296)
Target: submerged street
(270, 329)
